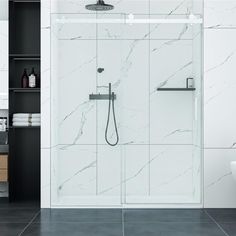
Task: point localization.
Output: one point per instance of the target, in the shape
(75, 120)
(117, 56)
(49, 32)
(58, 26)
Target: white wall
(3, 10)
(219, 102)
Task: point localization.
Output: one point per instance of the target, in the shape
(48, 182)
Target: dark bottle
(32, 79)
(38, 80)
(24, 79)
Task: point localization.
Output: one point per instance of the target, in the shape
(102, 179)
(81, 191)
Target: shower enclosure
(147, 59)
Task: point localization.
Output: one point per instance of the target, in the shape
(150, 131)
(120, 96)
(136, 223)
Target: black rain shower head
(99, 6)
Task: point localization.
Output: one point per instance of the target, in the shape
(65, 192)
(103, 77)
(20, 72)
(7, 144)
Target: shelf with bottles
(23, 81)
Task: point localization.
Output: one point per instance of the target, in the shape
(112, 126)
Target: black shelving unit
(24, 142)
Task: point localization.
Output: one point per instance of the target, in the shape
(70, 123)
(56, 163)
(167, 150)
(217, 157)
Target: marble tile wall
(141, 65)
(219, 108)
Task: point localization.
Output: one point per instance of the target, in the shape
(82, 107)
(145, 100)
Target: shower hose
(111, 100)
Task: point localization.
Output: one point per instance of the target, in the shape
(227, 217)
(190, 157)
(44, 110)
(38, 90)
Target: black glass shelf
(25, 1)
(176, 89)
(24, 127)
(23, 56)
(25, 90)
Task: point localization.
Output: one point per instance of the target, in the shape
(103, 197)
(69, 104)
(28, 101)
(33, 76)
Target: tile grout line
(123, 223)
(31, 221)
(219, 226)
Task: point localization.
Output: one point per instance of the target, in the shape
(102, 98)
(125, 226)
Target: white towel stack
(26, 119)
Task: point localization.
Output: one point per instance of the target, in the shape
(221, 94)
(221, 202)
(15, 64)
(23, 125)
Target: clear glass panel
(158, 158)
(166, 168)
(83, 172)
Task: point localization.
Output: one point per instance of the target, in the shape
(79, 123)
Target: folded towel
(21, 115)
(26, 115)
(26, 119)
(25, 124)
(35, 123)
(36, 115)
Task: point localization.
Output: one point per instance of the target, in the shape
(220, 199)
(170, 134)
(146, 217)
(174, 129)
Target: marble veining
(220, 14)
(82, 122)
(177, 131)
(138, 172)
(77, 69)
(173, 179)
(219, 179)
(233, 145)
(162, 84)
(219, 88)
(91, 165)
(221, 63)
(86, 108)
(73, 111)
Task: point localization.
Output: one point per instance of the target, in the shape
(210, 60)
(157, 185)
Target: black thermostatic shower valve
(102, 96)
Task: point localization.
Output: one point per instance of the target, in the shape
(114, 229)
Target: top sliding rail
(128, 21)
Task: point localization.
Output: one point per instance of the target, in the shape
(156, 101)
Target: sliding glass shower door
(148, 61)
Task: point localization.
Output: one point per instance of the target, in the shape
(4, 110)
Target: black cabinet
(24, 142)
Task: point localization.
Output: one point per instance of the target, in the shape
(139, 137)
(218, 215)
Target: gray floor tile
(74, 229)
(17, 215)
(166, 215)
(223, 215)
(80, 215)
(230, 228)
(172, 229)
(19, 205)
(221, 210)
(11, 229)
